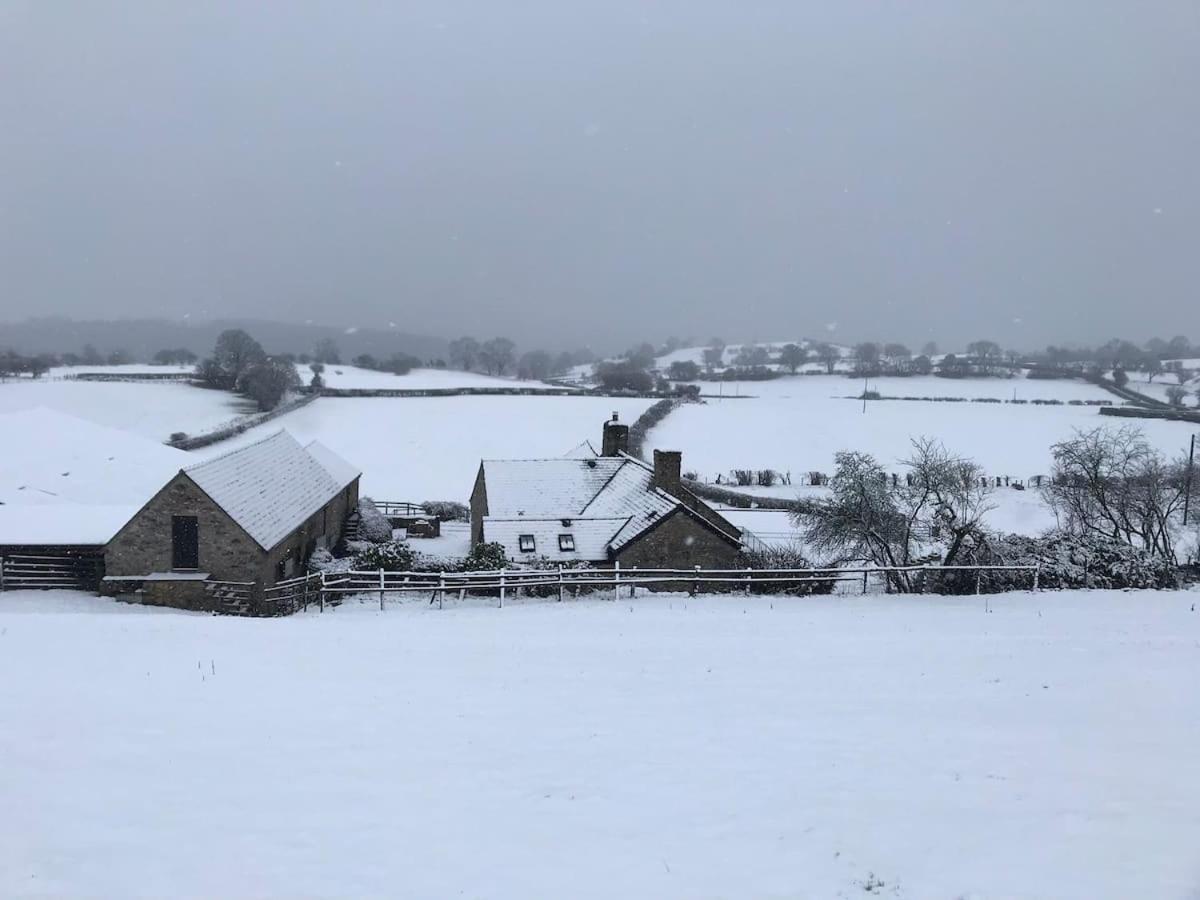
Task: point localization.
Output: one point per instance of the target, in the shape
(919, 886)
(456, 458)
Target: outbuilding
(233, 525)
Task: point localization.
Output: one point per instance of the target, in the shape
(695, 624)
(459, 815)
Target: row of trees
(498, 356)
(38, 364)
(1107, 485)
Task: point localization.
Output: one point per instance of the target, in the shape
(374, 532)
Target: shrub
(394, 556)
(766, 477)
(786, 558)
(447, 510)
(373, 525)
(742, 477)
(1067, 561)
(178, 436)
(485, 557)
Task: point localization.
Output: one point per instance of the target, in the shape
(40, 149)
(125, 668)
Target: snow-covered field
(429, 448)
(417, 379)
(797, 424)
(153, 410)
(901, 747)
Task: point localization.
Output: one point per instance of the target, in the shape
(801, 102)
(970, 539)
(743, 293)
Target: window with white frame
(527, 543)
(566, 542)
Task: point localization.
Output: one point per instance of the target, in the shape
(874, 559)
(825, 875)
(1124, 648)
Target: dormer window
(527, 543)
(566, 543)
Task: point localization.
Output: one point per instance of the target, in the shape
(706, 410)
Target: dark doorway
(185, 542)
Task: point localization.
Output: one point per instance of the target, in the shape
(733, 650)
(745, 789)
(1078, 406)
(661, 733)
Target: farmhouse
(233, 524)
(600, 509)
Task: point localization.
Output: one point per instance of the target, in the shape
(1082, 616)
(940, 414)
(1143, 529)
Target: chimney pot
(616, 438)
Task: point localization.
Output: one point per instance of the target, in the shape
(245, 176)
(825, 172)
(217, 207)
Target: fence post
(441, 586)
(864, 581)
(381, 590)
(1037, 577)
(617, 580)
(502, 571)
(321, 596)
(560, 583)
(978, 577)
(748, 581)
(696, 583)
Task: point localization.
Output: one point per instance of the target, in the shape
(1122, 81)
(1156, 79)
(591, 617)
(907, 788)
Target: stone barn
(600, 509)
(251, 517)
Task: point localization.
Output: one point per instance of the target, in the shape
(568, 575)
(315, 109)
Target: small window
(566, 542)
(527, 543)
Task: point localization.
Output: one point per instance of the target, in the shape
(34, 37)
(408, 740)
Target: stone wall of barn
(680, 542)
(143, 546)
(287, 560)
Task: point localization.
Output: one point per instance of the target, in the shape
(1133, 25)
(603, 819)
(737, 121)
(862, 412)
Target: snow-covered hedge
(373, 525)
(785, 558)
(447, 510)
(1066, 561)
(394, 556)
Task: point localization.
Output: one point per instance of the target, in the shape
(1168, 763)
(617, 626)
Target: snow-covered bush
(543, 564)
(485, 557)
(447, 510)
(1065, 560)
(373, 525)
(785, 558)
(394, 556)
(322, 560)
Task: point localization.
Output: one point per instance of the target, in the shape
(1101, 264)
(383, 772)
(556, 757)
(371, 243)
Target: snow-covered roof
(271, 486)
(61, 523)
(65, 480)
(337, 467)
(591, 537)
(613, 494)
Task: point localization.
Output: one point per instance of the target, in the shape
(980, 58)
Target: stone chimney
(667, 464)
(616, 438)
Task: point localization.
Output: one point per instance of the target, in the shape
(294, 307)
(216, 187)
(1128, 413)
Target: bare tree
(464, 353)
(1111, 482)
(497, 355)
(929, 515)
(714, 353)
(1176, 394)
(792, 356)
(326, 351)
(829, 356)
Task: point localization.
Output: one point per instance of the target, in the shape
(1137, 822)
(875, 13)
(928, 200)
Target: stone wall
(143, 546)
(326, 523)
(680, 542)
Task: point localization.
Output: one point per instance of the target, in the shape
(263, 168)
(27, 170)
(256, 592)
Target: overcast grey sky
(598, 171)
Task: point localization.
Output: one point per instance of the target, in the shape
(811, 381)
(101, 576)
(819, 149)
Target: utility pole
(1187, 497)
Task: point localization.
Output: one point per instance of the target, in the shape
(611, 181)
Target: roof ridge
(228, 453)
(600, 490)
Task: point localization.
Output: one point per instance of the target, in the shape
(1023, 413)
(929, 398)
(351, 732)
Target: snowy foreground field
(666, 747)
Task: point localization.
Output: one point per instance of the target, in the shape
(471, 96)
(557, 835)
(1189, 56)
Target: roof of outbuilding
(337, 467)
(272, 486)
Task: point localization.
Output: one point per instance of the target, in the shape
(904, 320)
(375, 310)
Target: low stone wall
(241, 425)
(1140, 412)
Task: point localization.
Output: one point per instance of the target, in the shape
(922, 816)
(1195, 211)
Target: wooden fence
(322, 588)
(20, 572)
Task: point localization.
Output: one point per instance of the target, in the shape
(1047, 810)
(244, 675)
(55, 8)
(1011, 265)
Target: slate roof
(608, 493)
(272, 486)
(591, 537)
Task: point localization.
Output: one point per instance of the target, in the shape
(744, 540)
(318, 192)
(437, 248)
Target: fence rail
(31, 572)
(322, 588)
